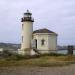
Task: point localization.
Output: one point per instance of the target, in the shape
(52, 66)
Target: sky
(55, 15)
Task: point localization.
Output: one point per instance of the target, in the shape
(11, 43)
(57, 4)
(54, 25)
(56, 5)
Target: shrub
(52, 54)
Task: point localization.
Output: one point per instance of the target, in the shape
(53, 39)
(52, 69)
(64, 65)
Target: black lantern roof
(27, 13)
(27, 17)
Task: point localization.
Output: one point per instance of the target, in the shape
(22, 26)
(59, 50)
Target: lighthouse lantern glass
(27, 15)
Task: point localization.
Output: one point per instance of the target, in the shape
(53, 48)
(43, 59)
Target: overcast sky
(56, 15)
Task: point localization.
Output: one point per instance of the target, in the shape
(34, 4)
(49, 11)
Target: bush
(6, 54)
(52, 54)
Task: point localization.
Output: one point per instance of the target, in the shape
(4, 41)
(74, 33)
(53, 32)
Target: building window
(42, 42)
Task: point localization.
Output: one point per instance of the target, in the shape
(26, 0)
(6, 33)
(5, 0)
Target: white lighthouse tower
(27, 31)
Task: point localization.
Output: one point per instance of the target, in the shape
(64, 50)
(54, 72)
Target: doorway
(36, 43)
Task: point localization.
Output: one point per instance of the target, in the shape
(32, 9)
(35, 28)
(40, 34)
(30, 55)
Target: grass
(45, 60)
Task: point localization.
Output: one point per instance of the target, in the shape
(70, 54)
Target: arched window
(42, 42)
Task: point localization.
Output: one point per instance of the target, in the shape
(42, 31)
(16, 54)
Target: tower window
(43, 42)
(22, 26)
(22, 38)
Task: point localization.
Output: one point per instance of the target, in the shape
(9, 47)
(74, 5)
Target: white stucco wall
(27, 31)
(39, 38)
(50, 42)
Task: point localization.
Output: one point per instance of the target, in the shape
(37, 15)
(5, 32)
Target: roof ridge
(44, 30)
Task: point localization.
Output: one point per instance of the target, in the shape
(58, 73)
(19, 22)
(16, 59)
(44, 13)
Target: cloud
(56, 15)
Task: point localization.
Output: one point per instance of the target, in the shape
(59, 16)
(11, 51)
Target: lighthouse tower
(27, 30)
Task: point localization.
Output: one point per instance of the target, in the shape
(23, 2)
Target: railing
(34, 49)
(27, 19)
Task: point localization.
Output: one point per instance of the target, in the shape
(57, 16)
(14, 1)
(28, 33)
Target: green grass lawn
(42, 61)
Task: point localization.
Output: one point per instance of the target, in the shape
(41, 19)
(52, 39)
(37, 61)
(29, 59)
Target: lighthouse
(36, 42)
(27, 31)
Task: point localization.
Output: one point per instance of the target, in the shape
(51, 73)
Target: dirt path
(68, 70)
